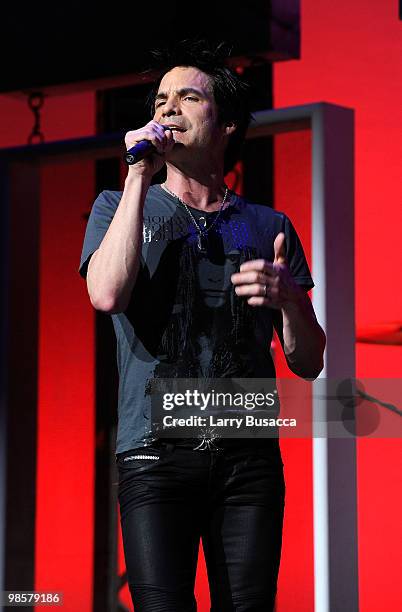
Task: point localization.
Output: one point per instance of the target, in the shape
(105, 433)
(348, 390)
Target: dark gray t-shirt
(184, 319)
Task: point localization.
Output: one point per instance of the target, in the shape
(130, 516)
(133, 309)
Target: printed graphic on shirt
(159, 228)
(208, 331)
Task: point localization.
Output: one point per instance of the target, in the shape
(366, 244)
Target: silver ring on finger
(265, 290)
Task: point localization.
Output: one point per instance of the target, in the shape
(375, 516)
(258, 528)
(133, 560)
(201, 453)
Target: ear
(230, 127)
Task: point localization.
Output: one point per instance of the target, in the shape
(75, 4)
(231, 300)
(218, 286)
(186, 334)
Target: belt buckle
(207, 441)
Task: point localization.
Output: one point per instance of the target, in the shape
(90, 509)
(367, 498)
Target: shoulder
(108, 198)
(112, 198)
(261, 213)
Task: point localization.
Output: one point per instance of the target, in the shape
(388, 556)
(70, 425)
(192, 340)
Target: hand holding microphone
(147, 144)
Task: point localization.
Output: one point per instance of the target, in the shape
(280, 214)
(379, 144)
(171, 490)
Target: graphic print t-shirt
(184, 319)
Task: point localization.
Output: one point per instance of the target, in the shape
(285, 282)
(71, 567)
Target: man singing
(196, 278)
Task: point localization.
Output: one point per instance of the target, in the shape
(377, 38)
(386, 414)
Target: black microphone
(141, 150)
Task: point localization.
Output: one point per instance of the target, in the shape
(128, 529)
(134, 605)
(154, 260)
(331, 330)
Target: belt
(215, 444)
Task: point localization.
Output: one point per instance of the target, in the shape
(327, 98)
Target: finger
(260, 265)
(261, 301)
(244, 278)
(153, 132)
(160, 141)
(133, 138)
(280, 249)
(251, 290)
(169, 139)
(258, 301)
(163, 130)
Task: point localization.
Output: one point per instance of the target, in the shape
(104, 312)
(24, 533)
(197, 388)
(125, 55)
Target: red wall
(65, 468)
(68, 116)
(352, 56)
(65, 452)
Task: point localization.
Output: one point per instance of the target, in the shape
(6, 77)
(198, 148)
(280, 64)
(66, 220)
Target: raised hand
(163, 142)
(267, 284)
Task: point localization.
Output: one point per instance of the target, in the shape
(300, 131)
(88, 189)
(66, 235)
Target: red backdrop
(352, 56)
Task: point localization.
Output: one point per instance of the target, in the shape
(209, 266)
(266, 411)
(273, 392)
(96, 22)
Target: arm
(113, 268)
(302, 338)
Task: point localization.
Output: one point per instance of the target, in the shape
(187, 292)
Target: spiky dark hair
(231, 93)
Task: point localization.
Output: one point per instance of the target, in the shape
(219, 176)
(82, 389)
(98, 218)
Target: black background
(69, 42)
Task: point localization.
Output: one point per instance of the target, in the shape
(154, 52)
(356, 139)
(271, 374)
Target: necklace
(201, 231)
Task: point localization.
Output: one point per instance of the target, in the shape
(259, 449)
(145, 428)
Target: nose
(170, 107)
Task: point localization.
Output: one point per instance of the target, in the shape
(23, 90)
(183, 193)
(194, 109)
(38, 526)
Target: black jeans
(171, 495)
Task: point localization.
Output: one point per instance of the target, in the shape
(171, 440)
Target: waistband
(210, 444)
(206, 443)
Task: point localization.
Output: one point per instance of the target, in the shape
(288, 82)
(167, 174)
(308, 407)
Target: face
(185, 99)
(214, 279)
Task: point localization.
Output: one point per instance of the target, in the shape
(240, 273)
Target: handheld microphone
(140, 150)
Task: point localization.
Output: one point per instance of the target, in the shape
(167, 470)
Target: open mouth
(175, 128)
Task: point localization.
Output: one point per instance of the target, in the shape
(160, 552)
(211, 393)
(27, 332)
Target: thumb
(280, 249)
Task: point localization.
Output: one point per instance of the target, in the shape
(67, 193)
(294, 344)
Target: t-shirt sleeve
(295, 256)
(101, 215)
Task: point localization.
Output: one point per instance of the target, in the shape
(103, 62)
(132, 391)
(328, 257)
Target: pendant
(201, 242)
(203, 223)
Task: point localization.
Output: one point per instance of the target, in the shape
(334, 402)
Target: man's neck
(205, 193)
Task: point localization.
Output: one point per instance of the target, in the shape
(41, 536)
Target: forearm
(113, 268)
(303, 338)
